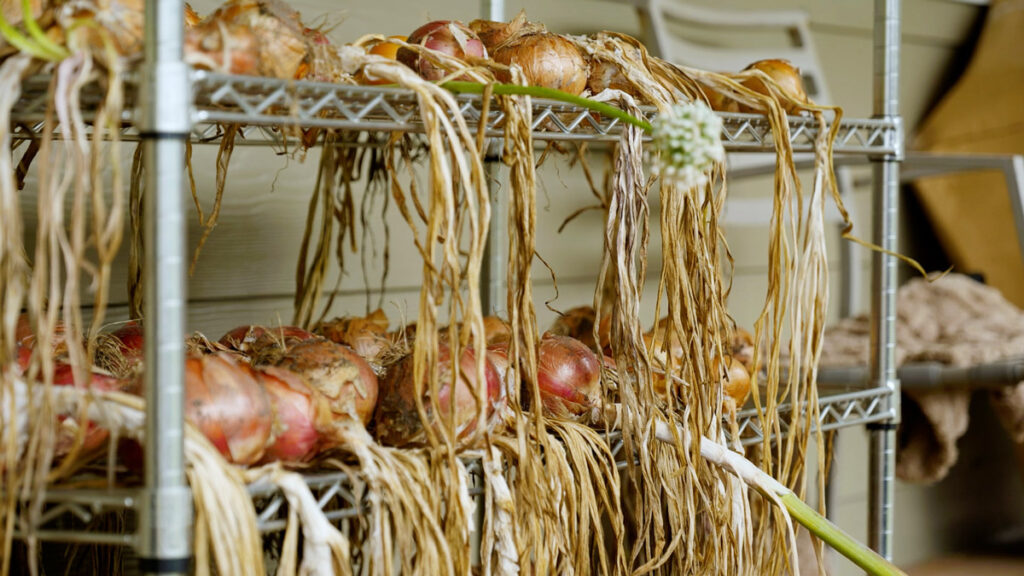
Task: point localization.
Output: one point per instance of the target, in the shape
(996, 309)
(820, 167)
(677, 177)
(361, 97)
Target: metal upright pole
(494, 275)
(165, 511)
(884, 280)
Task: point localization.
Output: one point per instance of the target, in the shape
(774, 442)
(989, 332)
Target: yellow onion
(743, 348)
(336, 371)
(397, 419)
(568, 375)
(225, 401)
(786, 77)
(263, 37)
(547, 60)
(735, 380)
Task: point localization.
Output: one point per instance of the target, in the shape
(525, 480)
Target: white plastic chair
(658, 18)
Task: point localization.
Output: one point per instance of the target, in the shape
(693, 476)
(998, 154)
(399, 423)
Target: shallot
(447, 37)
(569, 376)
(397, 418)
(346, 380)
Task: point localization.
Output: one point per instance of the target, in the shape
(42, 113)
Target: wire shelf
(267, 106)
(107, 516)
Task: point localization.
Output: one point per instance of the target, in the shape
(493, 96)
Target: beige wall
(246, 273)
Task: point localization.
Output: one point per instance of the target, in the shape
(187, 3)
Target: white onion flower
(688, 139)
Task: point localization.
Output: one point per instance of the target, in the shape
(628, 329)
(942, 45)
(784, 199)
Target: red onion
(94, 436)
(397, 420)
(263, 345)
(569, 376)
(300, 414)
(337, 372)
(121, 352)
(225, 401)
(445, 36)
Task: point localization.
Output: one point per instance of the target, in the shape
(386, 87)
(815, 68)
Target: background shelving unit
(176, 104)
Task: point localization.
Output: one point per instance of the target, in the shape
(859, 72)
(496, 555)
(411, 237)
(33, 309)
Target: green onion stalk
(688, 139)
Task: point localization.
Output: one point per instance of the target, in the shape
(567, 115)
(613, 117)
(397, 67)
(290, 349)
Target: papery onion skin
(346, 380)
(569, 376)
(397, 419)
(735, 381)
(262, 344)
(446, 36)
(547, 60)
(300, 415)
(579, 322)
(785, 75)
(226, 402)
(367, 335)
(94, 436)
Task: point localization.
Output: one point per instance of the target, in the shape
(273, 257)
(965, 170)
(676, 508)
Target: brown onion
(261, 37)
(568, 374)
(225, 401)
(606, 75)
(367, 335)
(445, 36)
(301, 413)
(191, 16)
(785, 75)
(742, 346)
(735, 381)
(397, 419)
(336, 371)
(547, 60)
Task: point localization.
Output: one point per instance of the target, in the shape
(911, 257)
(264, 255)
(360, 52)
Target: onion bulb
(547, 60)
(735, 381)
(94, 436)
(121, 352)
(606, 75)
(342, 376)
(786, 77)
(569, 376)
(300, 414)
(262, 345)
(367, 335)
(263, 37)
(743, 348)
(398, 421)
(445, 36)
(578, 323)
(225, 401)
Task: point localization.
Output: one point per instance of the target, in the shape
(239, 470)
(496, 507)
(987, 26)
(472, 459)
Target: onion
(121, 352)
(225, 401)
(94, 436)
(547, 60)
(300, 414)
(497, 332)
(605, 75)
(368, 335)
(397, 419)
(337, 372)
(261, 37)
(785, 75)
(735, 382)
(262, 345)
(743, 348)
(660, 352)
(568, 374)
(578, 323)
(445, 36)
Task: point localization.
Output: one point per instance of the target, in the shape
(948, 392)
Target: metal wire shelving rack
(175, 104)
